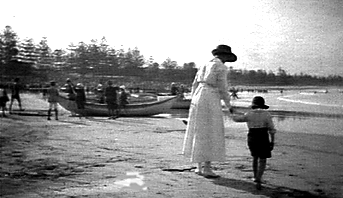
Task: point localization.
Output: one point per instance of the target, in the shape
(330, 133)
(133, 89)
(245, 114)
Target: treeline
(96, 61)
(92, 62)
(281, 78)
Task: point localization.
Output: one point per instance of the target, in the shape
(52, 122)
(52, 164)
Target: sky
(300, 36)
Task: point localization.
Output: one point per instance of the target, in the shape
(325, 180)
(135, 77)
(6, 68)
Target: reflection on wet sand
(284, 114)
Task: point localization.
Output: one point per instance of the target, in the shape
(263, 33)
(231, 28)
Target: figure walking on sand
(53, 94)
(16, 94)
(204, 140)
(260, 126)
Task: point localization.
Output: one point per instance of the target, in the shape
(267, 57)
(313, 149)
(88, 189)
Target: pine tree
(8, 45)
(44, 61)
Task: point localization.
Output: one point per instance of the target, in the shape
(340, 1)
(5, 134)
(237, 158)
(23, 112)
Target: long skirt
(204, 139)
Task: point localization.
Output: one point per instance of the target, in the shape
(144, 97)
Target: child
(53, 94)
(3, 99)
(260, 126)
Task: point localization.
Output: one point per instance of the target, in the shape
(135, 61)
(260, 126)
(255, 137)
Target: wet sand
(90, 157)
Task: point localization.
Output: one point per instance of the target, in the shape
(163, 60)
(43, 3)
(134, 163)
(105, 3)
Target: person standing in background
(52, 94)
(16, 94)
(80, 99)
(174, 90)
(100, 93)
(111, 98)
(3, 99)
(70, 90)
(123, 97)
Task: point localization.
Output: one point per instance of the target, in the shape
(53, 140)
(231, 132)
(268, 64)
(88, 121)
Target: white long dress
(204, 139)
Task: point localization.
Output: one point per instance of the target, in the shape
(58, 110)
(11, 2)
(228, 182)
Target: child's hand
(271, 146)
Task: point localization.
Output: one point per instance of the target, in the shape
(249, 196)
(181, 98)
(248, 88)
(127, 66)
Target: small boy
(53, 94)
(260, 126)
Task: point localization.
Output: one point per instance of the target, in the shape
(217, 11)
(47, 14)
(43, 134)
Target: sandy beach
(97, 157)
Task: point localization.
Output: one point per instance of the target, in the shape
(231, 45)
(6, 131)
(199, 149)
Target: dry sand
(91, 157)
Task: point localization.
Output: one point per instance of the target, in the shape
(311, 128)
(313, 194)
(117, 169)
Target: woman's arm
(223, 86)
(240, 118)
(195, 84)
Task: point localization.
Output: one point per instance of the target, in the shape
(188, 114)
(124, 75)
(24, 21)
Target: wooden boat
(179, 103)
(136, 109)
(134, 98)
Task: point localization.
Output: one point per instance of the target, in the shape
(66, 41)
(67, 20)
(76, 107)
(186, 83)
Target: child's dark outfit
(260, 126)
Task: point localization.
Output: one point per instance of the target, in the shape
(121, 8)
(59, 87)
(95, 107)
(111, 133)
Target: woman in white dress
(204, 140)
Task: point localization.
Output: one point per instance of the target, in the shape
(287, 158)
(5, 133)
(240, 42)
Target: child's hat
(258, 102)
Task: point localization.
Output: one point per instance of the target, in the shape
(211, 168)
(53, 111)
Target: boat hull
(137, 109)
(179, 103)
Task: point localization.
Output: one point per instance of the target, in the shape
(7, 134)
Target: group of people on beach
(115, 97)
(204, 140)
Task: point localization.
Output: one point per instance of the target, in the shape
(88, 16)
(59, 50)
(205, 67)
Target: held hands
(271, 146)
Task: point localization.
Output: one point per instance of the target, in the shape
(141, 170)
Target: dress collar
(216, 60)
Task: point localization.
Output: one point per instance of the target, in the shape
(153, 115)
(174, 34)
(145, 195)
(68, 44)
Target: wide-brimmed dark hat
(225, 50)
(258, 102)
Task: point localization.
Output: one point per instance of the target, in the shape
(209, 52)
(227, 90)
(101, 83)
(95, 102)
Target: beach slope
(141, 157)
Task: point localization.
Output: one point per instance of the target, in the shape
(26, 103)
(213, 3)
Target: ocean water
(323, 101)
(313, 111)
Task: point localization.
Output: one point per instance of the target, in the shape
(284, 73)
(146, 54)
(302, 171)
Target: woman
(204, 140)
